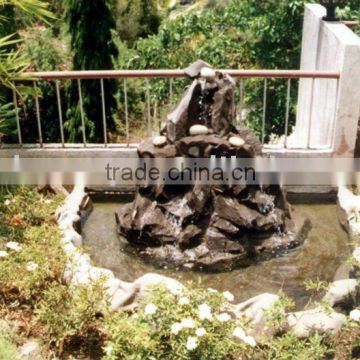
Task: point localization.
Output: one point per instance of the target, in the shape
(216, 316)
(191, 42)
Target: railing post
(264, 112)
(126, 114)
(103, 111)
(17, 118)
(82, 112)
(38, 114)
(60, 114)
(288, 94)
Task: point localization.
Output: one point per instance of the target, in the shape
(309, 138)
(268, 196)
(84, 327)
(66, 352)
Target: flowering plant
(196, 324)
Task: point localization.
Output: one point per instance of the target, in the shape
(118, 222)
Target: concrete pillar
(328, 110)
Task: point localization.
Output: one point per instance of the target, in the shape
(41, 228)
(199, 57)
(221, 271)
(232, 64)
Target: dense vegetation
(137, 34)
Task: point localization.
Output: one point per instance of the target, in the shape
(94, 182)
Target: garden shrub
(194, 325)
(7, 349)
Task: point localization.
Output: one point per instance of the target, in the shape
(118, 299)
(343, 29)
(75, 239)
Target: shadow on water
(319, 257)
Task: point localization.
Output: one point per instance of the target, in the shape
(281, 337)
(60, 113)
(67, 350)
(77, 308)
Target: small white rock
(31, 266)
(208, 74)
(12, 245)
(159, 141)
(355, 315)
(236, 141)
(198, 130)
(356, 254)
(341, 291)
(304, 323)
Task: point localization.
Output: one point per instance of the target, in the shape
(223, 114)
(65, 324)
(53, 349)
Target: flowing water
(320, 256)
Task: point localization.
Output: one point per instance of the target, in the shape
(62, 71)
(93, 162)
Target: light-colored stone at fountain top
(208, 74)
(237, 141)
(198, 130)
(159, 141)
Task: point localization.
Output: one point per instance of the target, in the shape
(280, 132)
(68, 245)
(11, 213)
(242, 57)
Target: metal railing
(147, 75)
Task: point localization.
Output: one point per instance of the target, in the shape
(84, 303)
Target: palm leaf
(36, 8)
(7, 119)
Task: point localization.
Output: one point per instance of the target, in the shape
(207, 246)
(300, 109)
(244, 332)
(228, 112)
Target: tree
(137, 19)
(12, 64)
(90, 24)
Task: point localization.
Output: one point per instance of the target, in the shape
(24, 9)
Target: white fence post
(328, 110)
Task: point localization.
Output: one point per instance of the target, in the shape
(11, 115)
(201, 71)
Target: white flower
(108, 350)
(191, 343)
(228, 296)
(12, 245)
(7, 202)
(3, 254)
(355, 315)
(31, 266)
(135, 316)
(250, 341)
(188, 323)
(184, 301)
(240, 334)
(150, 309)
(200, 332)
(176, 328)
(205, 312)
(223, 317)
(174, 288)
(48, 201)
(212, 290)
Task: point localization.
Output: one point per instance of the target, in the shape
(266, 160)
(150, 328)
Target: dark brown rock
(223, 113)
(146, 149)
(186, 113)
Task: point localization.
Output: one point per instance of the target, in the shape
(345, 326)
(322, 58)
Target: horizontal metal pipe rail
(114, 74)
(58, 76)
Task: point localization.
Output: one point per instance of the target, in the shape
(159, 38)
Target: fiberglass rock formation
(207, 227)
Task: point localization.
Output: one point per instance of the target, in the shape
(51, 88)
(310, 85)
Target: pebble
(236, 141)
(159, 141)
(208, 74)
(199, 130)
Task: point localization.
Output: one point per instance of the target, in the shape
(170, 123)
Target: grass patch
(7, 349)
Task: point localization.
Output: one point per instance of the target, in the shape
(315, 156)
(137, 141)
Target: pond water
(320, 256)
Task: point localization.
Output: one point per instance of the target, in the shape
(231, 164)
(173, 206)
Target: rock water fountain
(207, 227)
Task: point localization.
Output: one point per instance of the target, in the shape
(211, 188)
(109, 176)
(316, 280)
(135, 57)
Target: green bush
(7, 349)
(44, 52)
(188, 326)
(70, 316)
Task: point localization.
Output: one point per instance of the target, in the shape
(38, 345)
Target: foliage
(33, 8)
(137, 19)
(288, 347)
(12, 63)
(7, 119)
(71, 313)
(45, 53)
(7, 349)
(33, 283)
(242, 34)
(168, 330)
(90, 24)
(276, 316)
